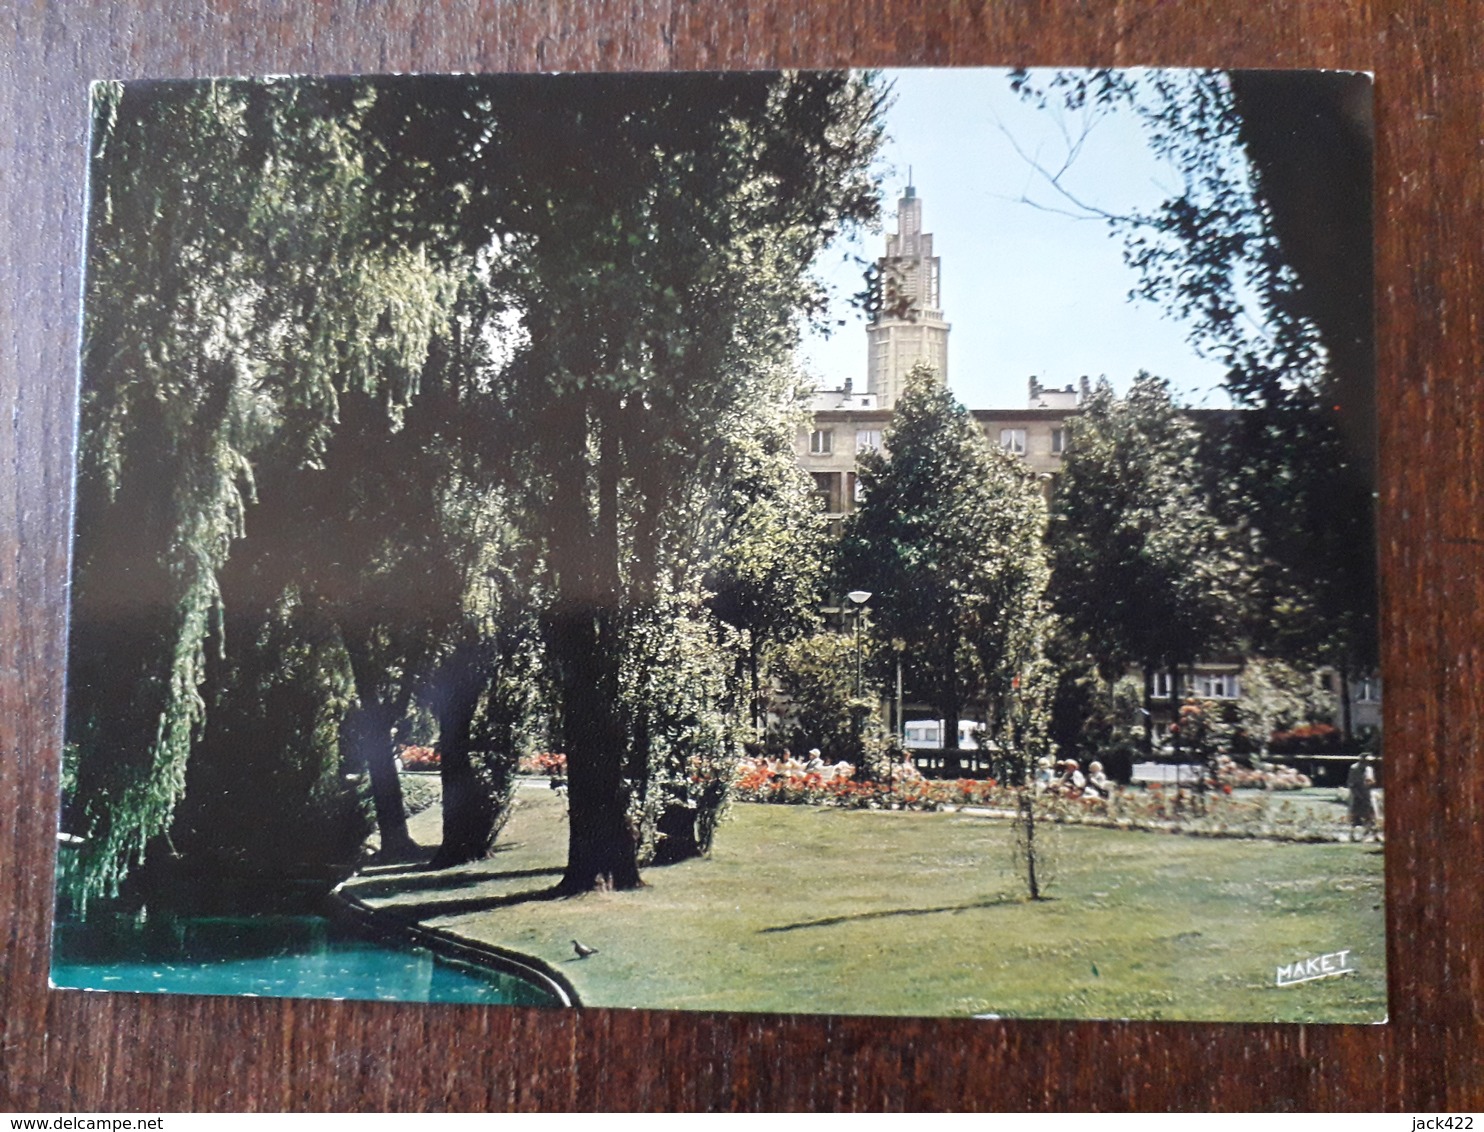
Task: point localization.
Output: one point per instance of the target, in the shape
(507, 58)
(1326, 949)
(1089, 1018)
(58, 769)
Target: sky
(1026, 291)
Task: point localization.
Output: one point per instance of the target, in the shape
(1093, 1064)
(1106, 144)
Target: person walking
(1360, 781)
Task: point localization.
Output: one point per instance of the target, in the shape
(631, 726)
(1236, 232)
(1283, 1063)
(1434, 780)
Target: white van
(928, 735)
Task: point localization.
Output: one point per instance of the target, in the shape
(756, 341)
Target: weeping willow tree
(235, 294)
(322, 315)
(482, 680)
(265, 790)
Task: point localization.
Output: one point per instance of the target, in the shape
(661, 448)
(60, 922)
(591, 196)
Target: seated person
(1098, 784)
(1072, 781)
(1044, 776)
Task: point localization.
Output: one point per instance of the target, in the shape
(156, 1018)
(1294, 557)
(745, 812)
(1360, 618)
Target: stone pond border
(450, 946)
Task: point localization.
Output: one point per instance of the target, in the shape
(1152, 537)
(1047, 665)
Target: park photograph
(870, 542)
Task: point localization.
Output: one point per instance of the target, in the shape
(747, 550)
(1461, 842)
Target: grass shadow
(832, 921)
(420, 860)
(441, 880)
(468, 905)
(398, 864)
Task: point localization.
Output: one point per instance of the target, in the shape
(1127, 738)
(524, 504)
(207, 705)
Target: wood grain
(75, 1051)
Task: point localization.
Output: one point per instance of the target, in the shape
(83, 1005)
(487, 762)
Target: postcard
(844, 542)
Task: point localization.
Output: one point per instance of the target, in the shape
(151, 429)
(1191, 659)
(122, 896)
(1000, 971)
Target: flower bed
(419, 758)
(1229, 773)
(1216, 812)
(765, 780)
(550, 763)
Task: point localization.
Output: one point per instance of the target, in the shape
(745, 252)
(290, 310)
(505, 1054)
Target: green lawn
(861, 912)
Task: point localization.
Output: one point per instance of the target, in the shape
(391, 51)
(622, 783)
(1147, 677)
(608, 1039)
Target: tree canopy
(232, 297)
(345, 336)
(1142, 570)
(948, 538)
(1264, 249)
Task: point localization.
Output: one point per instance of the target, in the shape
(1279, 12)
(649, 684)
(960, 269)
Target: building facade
(907, 331)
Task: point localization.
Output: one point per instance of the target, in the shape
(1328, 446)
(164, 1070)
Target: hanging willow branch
(233, 294)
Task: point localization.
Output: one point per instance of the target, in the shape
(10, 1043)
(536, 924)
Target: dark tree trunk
(370, 732)
(468, 816)
(680, 840)
(468, 811)
(1312, 149)
(1112, 706)
(583, 632)
(601, 846)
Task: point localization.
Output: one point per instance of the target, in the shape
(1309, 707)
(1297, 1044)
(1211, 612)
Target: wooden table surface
(77, 1052)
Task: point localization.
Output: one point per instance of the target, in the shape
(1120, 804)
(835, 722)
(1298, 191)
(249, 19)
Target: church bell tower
(908, 327)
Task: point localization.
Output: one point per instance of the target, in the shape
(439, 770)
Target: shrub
(418, 794)
(818, 706)
(683, 740)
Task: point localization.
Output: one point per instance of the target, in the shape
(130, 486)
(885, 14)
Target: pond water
(279, 954)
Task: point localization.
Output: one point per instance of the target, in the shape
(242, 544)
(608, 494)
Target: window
(821, 442)
(1368, 690)
(857, 489)
(1058, 441)
(1218, 686)
(1205, 686)
(867, 439)
(824, 490)
(1013, 440)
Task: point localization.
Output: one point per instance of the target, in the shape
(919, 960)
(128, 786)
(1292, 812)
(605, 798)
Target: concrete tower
(909, 328)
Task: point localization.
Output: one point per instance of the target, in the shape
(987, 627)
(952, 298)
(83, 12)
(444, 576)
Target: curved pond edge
(451, 946)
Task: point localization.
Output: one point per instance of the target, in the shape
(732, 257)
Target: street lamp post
(859, 598)
(899, 646)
